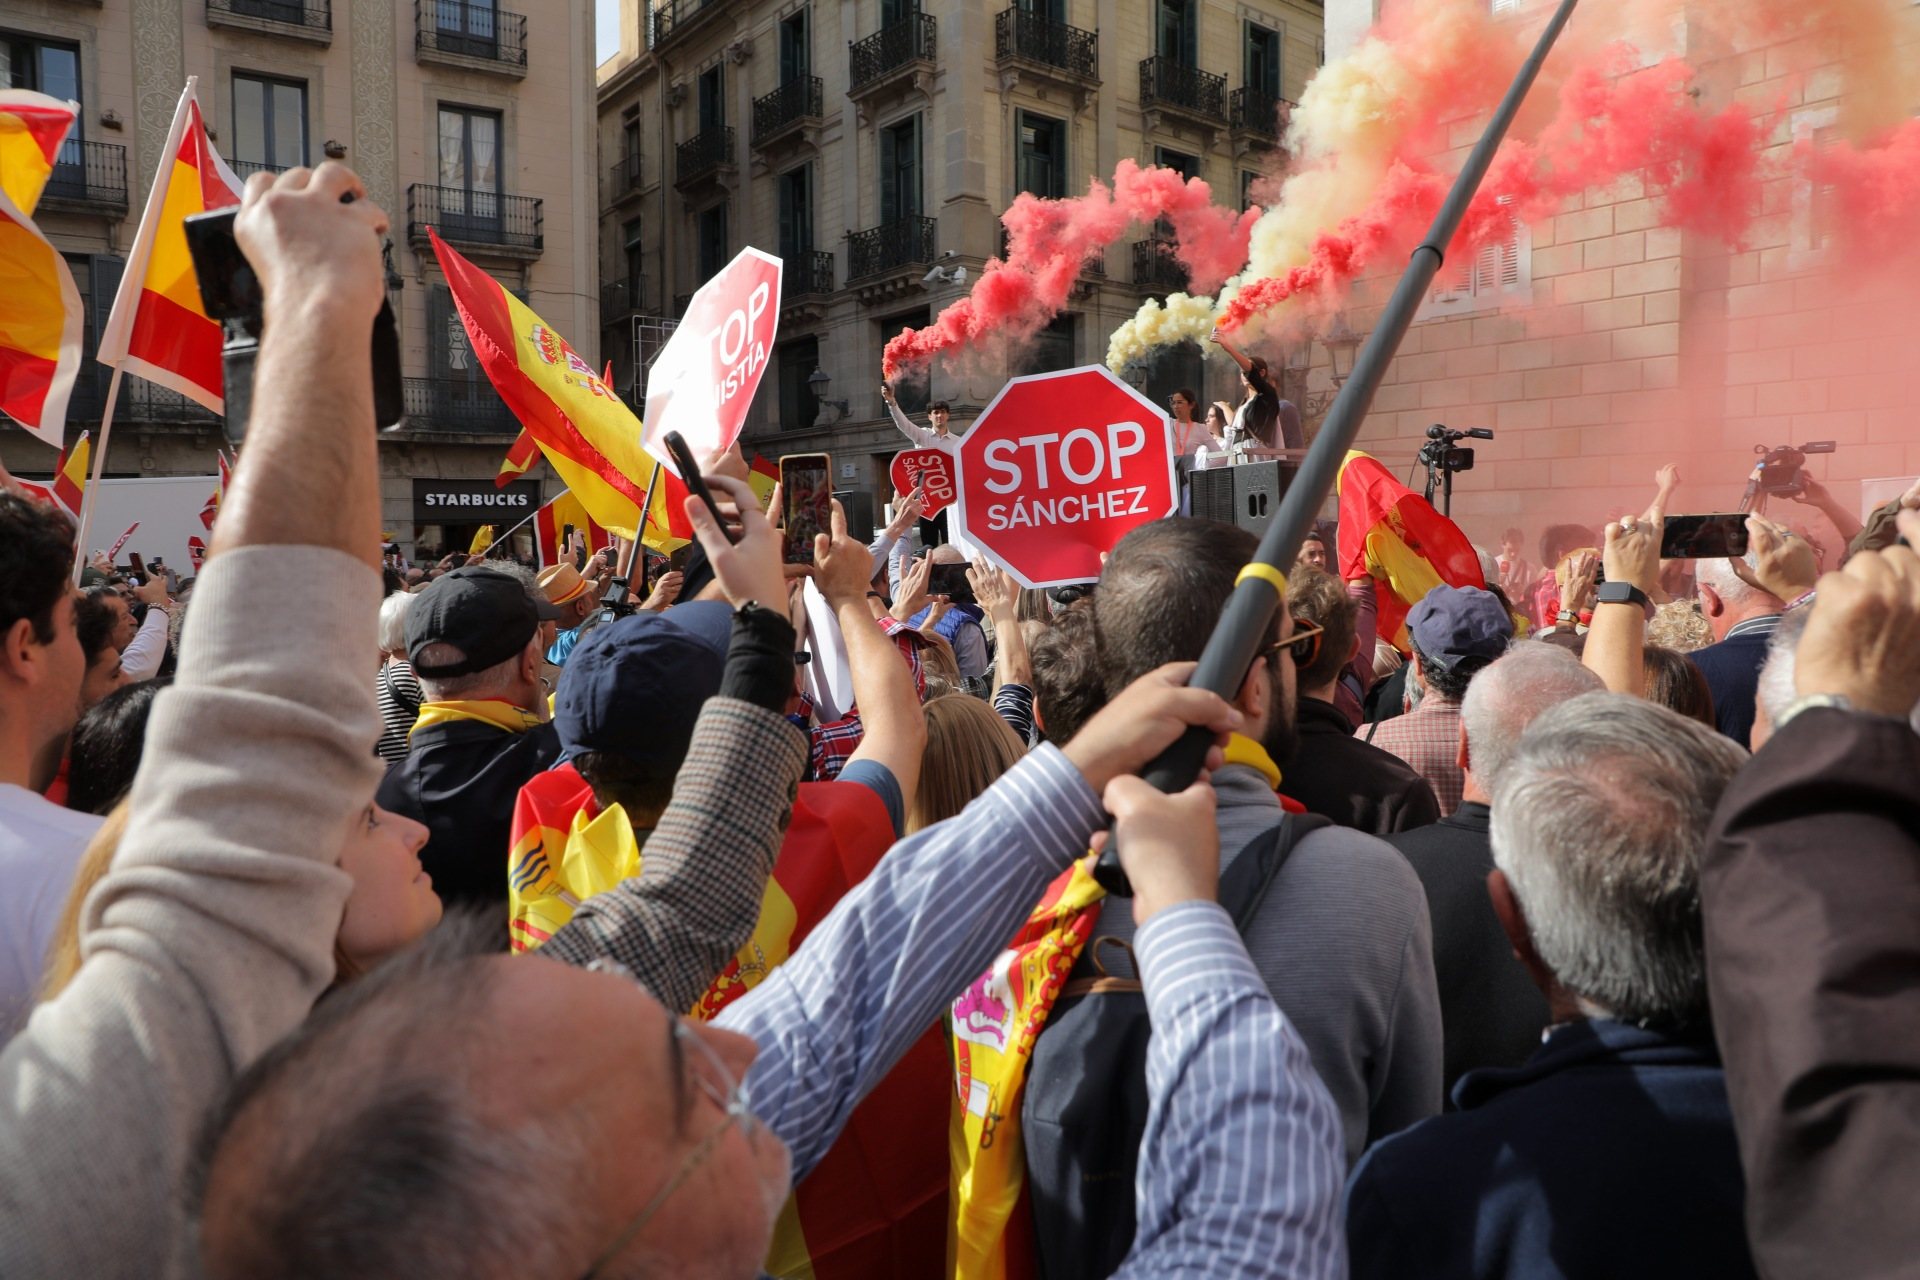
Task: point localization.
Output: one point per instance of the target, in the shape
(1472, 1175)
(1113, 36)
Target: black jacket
(1356, 784)
(461, 778)
(1491, 1014)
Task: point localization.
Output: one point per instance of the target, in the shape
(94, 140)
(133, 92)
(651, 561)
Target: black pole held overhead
(1235, 642)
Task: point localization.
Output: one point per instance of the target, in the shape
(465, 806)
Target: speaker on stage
(1247, 495)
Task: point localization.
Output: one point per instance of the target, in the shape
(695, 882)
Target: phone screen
(1705, 537)
(806, 489)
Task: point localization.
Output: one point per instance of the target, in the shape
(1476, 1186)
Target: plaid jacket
(697, 897)
(1428, 738)
(831, 745)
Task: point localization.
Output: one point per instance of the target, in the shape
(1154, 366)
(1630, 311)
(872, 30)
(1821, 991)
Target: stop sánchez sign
(1059, 468)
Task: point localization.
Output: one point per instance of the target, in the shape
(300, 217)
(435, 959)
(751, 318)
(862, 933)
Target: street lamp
(817, 383)
(1342, 345)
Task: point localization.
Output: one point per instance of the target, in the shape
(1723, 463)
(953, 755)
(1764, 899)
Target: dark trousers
(933, 533)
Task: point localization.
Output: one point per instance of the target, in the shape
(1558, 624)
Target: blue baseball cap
(1451, 625)
(635, 686)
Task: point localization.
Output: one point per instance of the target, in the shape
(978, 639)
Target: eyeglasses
(1303, 644)
(722, 1088)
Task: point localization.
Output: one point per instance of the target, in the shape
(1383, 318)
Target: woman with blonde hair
(968, 747)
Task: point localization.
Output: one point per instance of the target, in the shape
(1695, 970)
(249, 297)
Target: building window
(1262, 70)
(630, 143)
(1051, 10)
(894, 12)
(1503, 6)
(467, 26)
(1179, 161)
(630, 242)
(796, 47)
(712, 91)
(1049, 350)
(1177, 30)
(269, 123)
(798, 405)
(53, 68)
(912, 394)
(900, 170)
(1041, 144)
(469, 171)
(712, 241)
(1501, 270)
(1247, 178)
(796, 215)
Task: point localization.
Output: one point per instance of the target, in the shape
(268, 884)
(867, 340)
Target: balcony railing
(703, 153)
(1037, 38)
(139, 401)
(669, 19)
(1258, 112)
(808, 274)
(796, 100)
(618, 300)
(1156, 268)
(92, 175)
(1165, 82)
(457, 404)
(483, 218)
(247, 168)
(902, 243)
(889, 49)
(477, 32)
(306, 16)
(623, 178)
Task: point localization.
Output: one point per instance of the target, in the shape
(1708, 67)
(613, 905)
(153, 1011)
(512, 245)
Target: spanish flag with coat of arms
(159, 328)
(1391, 533)
(589, 435)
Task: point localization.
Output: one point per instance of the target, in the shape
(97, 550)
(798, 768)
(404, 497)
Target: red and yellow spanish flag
(876, 1205)
(40, 319)
(589, 435)
(1393, 534)
(763, 474)
(552, 521)
(519, 459)
(211, 509)
(70, 477)
(159, 329)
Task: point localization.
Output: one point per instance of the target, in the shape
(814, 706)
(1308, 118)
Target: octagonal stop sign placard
(931, 472)
(1059, 468)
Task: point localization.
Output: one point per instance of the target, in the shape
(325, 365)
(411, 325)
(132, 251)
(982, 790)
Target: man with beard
(1341, 936)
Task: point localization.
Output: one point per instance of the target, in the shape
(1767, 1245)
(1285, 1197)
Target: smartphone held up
(1704, 537)
(806, 505)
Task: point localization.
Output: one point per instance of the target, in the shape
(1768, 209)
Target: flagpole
(87, 499)
(636, 551)
(501, 540)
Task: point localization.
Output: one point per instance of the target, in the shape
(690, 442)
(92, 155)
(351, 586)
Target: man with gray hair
(1742, 617)
(1600, 821)
(1491, 1014)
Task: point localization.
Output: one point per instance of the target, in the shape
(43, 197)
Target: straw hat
(562, 584)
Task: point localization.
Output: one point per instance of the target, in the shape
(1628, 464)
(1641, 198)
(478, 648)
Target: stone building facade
(457, 114)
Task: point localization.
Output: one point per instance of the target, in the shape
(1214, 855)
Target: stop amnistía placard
(703, 381)
(1058, 469)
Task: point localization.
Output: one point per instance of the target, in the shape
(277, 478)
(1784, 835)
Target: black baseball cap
(487, 615)
(635, 686)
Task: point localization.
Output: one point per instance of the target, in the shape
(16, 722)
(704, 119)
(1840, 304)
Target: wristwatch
(1624, 593)
(1838, 701)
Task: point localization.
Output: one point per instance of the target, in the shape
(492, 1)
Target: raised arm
(922, 437)
(1617, 637)
(997, 593)
(1219, 339)
(148, 648)
(214, 932)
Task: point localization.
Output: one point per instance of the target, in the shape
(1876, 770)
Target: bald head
(1505, 698)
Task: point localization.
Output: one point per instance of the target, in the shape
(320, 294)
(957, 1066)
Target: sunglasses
(1303, 644)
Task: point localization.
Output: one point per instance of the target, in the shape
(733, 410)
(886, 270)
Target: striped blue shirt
(1241, 1167)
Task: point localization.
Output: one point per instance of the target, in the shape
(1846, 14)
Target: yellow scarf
(501, 715)
(1244, 750)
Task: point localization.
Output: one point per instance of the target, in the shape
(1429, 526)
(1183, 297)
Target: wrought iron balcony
(623, 179)
(507, 226)
(905, 242)
(890, 50)
(468, 407)
(470, 34)
(1156, 268)
(88, 177)
(1165, 82)
(787, 107)
(808, 273)
(704, 154)
(1033, 37)
(670, 19)
(304, 19)
(1257, 112)
(618, 300)
(247, 168)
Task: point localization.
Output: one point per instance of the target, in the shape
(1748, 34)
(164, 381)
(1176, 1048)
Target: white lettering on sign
(1072, 508)
(736, 345)
(1122, 441)
(476, 500)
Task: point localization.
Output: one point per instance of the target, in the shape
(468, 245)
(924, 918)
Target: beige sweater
(213, 934)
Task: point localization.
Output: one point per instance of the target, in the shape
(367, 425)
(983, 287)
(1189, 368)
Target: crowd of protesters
(1545, 950)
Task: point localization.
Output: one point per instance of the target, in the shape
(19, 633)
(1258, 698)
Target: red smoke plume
(1049, 241)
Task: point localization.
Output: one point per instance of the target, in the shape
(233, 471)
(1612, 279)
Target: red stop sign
(703, 381)
(1059, 468)
(930, 471)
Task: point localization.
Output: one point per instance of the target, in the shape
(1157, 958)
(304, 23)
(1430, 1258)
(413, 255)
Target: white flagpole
(87, 499)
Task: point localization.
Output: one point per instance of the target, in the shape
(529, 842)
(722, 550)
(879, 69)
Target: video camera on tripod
(1442, 457)
(1778, 471)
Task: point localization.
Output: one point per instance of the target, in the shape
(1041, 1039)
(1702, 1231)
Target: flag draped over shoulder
(1393, 534)
(551, 523)
(40, 317)
(876, 1205)
(159, 328)
(586, 432)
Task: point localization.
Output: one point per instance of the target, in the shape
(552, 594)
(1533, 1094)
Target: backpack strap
(1244, 885)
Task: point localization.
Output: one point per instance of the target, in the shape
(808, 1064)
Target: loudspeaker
(1247, 495)
(858, 504)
